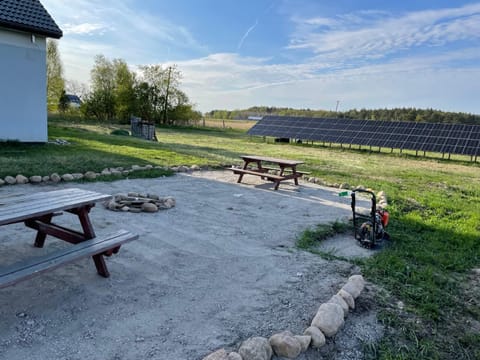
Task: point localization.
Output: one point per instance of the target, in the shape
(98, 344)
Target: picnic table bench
(37, 210)
(284, 170)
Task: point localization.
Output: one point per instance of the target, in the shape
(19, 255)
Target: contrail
(250, 29)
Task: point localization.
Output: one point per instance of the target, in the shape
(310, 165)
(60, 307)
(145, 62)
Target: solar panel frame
(433, 137)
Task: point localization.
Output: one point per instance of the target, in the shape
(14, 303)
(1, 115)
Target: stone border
(120, 171)
(90, 175)
(328, 320)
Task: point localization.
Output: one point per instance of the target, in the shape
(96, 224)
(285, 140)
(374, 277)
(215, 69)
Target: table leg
(277, 184)
(41, 236)
(240, 176)
(294, 172)
(87, 227)
(101, 266)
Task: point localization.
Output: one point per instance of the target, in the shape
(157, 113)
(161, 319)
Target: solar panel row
(443, 138)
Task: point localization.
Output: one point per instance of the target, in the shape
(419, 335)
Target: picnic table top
(271, 160)
(24, 207)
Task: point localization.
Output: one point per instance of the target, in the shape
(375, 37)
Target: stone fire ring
(137, 202)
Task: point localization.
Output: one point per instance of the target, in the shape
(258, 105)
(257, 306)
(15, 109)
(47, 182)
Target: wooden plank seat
(271, 168)
(96, 247)
(257, 172)
(264, 175)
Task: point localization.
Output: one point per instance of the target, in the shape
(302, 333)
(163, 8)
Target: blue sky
(287, 53)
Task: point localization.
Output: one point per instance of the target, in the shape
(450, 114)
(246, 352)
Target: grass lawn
(434, 209)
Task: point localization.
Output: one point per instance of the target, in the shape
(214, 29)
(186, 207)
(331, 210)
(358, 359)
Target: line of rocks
(328, 320)
(137, 202)
(89, 175)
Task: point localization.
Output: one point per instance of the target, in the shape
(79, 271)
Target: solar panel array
(443, 138)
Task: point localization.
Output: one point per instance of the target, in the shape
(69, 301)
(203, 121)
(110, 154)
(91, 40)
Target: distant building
(24, 28)
(255, 117)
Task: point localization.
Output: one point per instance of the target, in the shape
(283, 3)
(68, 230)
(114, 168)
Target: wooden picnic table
(263, 168)
(37, 211)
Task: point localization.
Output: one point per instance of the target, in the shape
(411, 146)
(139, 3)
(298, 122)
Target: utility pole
(165, 106)
(336, 107)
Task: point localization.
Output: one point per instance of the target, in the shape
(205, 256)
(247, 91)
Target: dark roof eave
(31, 29)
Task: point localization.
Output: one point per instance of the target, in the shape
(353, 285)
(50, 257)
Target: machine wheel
(366, 237)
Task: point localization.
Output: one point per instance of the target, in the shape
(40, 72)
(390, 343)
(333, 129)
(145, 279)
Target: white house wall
(23, 89)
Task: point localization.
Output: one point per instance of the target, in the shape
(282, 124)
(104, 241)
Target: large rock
(149, 207)
(354, 285)
(90, 175)
(348, 298)
(183, 169)
(337, 299)
(329, 319)
(217, 355)
(166, 203)
(113, 205)
(255, 348)
(234, 356)
(304, 340)
(77, 176)
(2, 182)
(35, 179)
(67, 177)
(285, 344)
(21, 179)
(358, 279)
(55, 178)
(10, 180)
(316, 335)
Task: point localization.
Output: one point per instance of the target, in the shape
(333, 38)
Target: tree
(55, 80)
(63, 102)
(163, 83)
(144, 104)
(76, 88)
(154, 96)
(181, 110)
(124, 90)
(100, 103)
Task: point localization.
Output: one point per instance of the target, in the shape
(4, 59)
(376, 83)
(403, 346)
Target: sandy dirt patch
(218, 268)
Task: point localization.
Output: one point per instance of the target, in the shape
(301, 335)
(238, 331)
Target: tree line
(396, 114)
(117, 93)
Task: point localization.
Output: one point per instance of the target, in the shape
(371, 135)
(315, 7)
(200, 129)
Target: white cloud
(249, 30)
(127, 23)
(84, 29)
(376, 34)
(416, 82)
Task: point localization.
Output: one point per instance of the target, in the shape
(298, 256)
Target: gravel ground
(218, 268)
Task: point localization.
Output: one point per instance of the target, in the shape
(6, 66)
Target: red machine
(370, 228)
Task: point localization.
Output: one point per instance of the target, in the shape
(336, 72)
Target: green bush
(120, 132)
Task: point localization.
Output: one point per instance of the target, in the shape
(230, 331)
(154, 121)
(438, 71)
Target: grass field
(434, 208)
